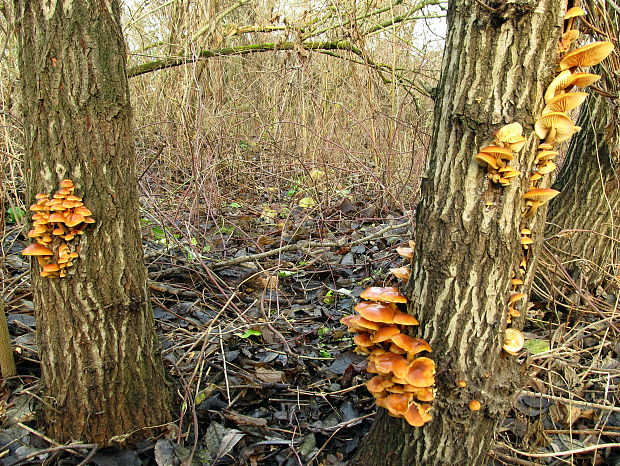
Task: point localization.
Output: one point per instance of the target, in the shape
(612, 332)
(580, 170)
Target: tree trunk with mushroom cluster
(102, 375)
(583, 223)
(497, 64)
(583, 226)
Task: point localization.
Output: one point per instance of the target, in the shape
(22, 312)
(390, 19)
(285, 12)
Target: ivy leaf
(537, 346)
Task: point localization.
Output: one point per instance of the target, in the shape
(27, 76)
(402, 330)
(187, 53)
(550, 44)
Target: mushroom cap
(38, 207)
(498, 152)
(540, 194)
(405, 252)
(396, 349)
(402, 273)
(403, 318)
(385, 333)
(565, 79)
(552, 120)
(484, 159)
(396, 388)
(376, 312)
(570, 36)
(56, 217)
(417, 415)
(71, 204)
(74, 219)
(388, 294)
(397, 403)
(51, 268)
(513, 341)
(517, 145)
(588, 55)
(574, 12)
(37, 249)
(510, 134)
(565, 102)
(509, 172)
(391, 363)
(545, 155)
(421, 373)
(82, 211)
(582, 79)
(526, 240)
(411, 345)
(357, 323)
(66, 183)
(422, 394)
(546, 167)
(38, 230)
(474, 405)
(370, 368)
(564, 134)
(363, 340)
(378, 384)
(514, 297)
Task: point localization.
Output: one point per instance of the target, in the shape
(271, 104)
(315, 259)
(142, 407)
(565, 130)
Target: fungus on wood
(57, 221)
(404, 379)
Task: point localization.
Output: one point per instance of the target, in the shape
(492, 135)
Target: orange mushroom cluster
(405, 381)
(553, 127)
(56, 222)
(496, 157)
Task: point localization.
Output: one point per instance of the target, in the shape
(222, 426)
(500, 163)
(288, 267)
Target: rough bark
(584, 227)
(7, 360)
(102, 372)
(497, 63)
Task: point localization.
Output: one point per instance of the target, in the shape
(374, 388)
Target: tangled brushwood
(405, 380)
(57, 221)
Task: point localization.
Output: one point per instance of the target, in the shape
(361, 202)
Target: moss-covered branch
(241, 50)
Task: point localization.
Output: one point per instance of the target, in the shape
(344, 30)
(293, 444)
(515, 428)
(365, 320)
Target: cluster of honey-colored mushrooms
(405, 381)
(553, 127)
(56, 222)
(496, 156)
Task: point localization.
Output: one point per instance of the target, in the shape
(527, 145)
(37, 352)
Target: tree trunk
(102, 371)
(583, 223)
(496, 66)
(7, 360)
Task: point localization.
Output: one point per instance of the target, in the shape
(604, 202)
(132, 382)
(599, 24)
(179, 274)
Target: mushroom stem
(532, 209)
(551, 135)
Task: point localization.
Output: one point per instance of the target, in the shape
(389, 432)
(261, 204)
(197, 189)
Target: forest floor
(266, 374)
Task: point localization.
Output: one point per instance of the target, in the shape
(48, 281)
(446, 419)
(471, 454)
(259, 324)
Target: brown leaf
(269, 375)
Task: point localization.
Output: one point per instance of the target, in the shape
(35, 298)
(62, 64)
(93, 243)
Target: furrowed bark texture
(583, 219)
(495, 69)
(101, 367)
